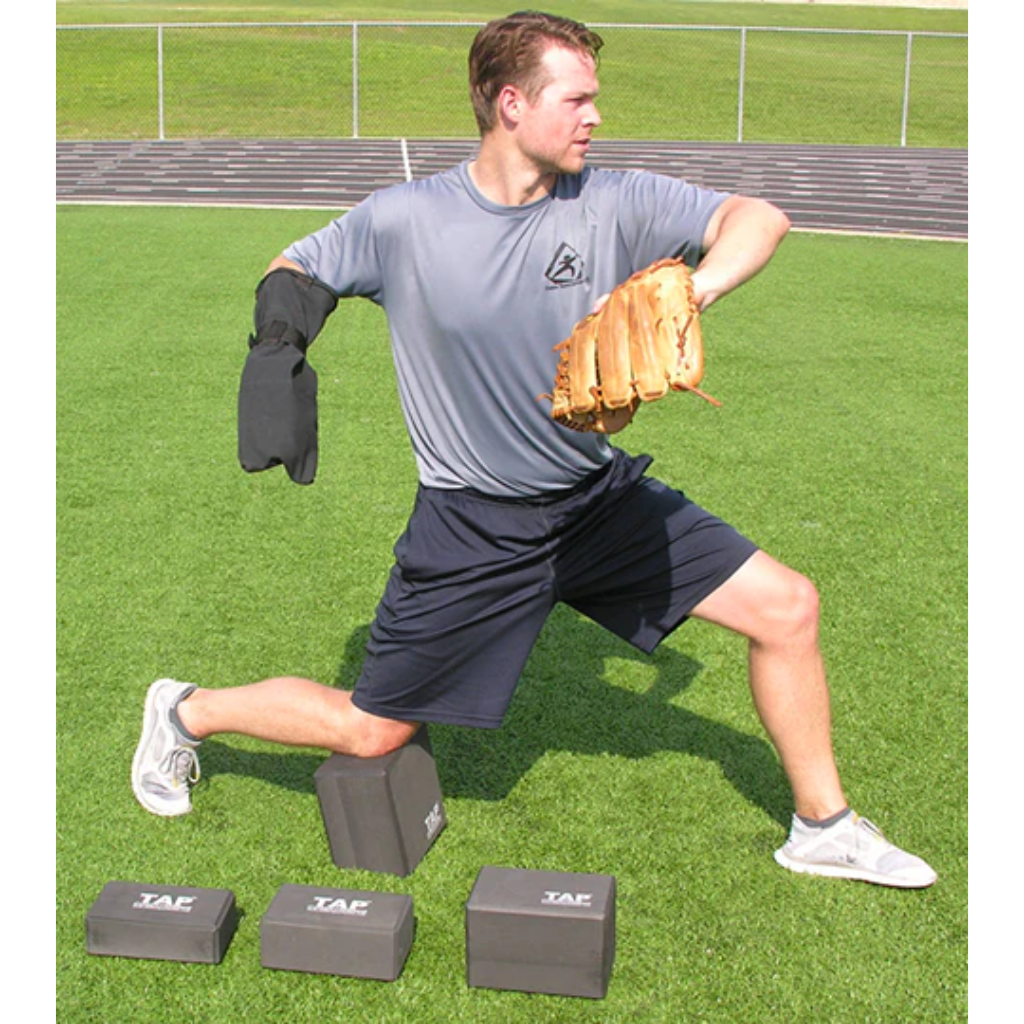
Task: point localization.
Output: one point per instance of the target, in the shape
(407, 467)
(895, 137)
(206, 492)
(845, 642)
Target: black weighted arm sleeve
(277, 399)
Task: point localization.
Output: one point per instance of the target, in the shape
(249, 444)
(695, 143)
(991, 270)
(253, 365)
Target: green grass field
(656, 84)
(841, 446)
(654, 12)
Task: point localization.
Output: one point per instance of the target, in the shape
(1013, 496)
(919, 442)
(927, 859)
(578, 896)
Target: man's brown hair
(509, 51)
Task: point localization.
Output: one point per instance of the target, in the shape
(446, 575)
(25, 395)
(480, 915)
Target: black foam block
(541, 931)
(337, 931)
(382, 813)
(161, 922)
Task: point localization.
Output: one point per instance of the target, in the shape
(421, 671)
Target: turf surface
(841, 446)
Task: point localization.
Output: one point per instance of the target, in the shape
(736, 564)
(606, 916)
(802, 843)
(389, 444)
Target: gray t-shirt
(477, 295)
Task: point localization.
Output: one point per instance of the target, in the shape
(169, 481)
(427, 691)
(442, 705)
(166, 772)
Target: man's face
(554, 131)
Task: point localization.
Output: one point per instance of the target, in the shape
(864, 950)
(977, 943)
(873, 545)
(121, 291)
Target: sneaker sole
(149, 721)
(852, 873)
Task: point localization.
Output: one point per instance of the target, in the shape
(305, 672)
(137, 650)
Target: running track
(905, 192)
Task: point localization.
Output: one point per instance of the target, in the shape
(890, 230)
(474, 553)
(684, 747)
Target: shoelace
(182, 764)
(869, 842)
(872, 830)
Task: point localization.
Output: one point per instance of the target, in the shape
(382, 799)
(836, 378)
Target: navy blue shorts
(476, 578)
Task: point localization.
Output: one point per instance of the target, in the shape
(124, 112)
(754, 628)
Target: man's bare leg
(294, 711)
(777, 610)
(298, 712)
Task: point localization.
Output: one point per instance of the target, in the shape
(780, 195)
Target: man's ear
(510, 104)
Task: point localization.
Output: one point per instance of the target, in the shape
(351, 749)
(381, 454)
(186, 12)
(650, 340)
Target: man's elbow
(784, 223)
(756, 218)
(776, 221)
(283, 263)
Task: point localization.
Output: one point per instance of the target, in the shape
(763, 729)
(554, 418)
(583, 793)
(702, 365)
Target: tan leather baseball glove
(644, 342)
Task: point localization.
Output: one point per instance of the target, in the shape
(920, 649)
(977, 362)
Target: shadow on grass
(564, 703)
(283, 766)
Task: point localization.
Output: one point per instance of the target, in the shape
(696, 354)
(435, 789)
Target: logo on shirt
(567, 268)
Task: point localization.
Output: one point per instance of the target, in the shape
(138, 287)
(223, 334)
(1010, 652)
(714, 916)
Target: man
(482, 270)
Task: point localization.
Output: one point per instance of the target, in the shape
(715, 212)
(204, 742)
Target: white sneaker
(852, 848)
(165, 763)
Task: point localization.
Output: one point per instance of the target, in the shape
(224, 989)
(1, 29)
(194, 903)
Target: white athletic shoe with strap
(165, 764)
(852, 848)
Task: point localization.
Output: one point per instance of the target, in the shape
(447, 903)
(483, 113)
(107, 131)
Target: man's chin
(573, 164)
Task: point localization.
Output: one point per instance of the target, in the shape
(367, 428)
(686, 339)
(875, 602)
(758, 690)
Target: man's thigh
(761, 599)
(463, 607)
(650, 562)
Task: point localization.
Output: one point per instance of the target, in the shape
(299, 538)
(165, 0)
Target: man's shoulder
(589, 179)
(595, 181)
(415, 190)
(638, 188)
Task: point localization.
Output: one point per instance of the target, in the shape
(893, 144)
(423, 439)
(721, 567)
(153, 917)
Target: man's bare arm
(741, 238)
(280, 262)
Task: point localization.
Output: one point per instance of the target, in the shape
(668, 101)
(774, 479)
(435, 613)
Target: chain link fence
(389, 80)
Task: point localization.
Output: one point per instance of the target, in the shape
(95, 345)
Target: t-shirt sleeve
(662, 216)
(343, 255)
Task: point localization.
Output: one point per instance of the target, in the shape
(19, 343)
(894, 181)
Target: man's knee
(373, 736)
(765, 601)
(795, 605)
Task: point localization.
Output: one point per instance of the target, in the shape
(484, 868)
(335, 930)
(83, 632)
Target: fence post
(742, 84)
(355, 79)
(160, 80)
(906, 90)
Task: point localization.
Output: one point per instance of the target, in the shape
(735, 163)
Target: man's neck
(506, 178)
